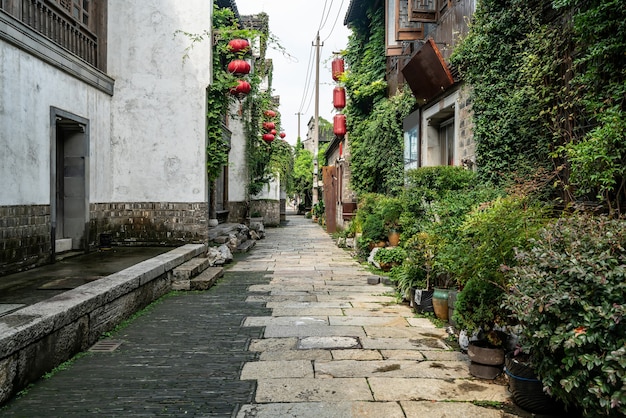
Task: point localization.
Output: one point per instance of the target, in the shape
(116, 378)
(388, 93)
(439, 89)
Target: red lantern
(270, 113)
(268, 137)
(238, 45)
(339, 125)
(339, 97)
(268, 126)
(282, 134)
(239, 67)
(242, 88)
(274, 132)
(337, 68)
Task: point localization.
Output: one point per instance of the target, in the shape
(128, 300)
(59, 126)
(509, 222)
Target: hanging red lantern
(238, 45)
(268, 126)
(339, 125)
(239, 67)
(337, 68)
(270, 113)
(268, 137)
(339, 97)
(274, 132)
(282, 134)
(242, 88)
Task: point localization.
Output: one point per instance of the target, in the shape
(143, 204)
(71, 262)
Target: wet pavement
(291, 330)
(72, 270)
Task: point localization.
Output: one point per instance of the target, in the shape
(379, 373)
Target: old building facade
(102, 126)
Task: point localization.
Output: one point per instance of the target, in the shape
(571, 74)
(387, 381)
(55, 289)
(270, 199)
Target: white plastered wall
(158, 133)
(237, 167)
(29, 87)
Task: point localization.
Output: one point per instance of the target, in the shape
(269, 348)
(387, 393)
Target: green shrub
(374, 228)
(568, 293)
(390, 255)
(490, 234)
(478, 306)
(390, 210)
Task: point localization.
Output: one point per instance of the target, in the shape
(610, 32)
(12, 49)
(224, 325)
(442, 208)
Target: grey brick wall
(24, 237)
(149, 223)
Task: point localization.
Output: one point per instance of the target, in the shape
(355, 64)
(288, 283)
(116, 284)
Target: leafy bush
(374, 228)
(568, 293)
(478, 306)
(390, 210)
(390, 255)
(493, 231)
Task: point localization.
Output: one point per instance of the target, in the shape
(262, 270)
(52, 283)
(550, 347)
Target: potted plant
(408, 278)
(390, 211)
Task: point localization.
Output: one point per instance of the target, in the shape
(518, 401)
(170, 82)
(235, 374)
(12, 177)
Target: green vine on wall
(374, 121)
(260, 163)
(548, 83)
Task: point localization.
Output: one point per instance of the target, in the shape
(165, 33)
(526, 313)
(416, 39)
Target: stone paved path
(292, 330)
(335, 346)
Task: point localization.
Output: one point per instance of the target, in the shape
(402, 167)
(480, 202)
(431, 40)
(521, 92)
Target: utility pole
(299, 114)
(316, 125)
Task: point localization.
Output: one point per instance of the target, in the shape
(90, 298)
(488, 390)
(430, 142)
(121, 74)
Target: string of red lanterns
(239, 67)
(339, 98)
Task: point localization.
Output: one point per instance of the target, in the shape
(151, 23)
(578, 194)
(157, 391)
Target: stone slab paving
(282, 334)
(337, 346)
(325, 410)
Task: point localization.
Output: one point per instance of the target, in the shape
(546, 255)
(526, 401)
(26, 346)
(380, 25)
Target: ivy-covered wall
(548, 84)
(374, 121)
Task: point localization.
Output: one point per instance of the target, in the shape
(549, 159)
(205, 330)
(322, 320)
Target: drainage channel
(105, 346)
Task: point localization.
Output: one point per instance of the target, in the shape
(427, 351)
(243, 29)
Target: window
(446, 142)
(411, 146)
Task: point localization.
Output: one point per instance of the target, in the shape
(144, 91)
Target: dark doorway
(69, 181)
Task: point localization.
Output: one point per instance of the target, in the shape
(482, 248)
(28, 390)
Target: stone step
(206, 279)
(203, 281)
(246, 246)
(190, 269)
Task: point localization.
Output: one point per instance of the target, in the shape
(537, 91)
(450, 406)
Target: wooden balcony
(56, 24)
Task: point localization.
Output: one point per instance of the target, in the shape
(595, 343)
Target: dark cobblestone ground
(182, 358)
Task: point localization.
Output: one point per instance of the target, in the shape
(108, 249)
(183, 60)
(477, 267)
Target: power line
(336, 19)
(330, 8)
(319, 28)
(307, 80)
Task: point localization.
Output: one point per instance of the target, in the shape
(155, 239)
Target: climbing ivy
(374, 121)
(260, 158)
(377, 146)
(548, 82)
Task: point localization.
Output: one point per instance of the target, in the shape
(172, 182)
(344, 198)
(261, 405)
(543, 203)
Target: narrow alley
(293, 329)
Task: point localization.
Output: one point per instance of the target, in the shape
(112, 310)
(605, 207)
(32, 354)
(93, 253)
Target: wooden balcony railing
(55, 24)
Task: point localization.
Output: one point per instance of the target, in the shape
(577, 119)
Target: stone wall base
(238, 212)
(149, 223)
(268, 209)
(25, 237)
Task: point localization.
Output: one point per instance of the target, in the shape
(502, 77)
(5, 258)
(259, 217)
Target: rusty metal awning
(427, 72)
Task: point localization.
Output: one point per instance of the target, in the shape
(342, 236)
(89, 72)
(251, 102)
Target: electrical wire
(319, 28)
(307, 82)
(330, 8)
(335, 23)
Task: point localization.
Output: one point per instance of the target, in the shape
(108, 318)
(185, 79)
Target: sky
(295, 23)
